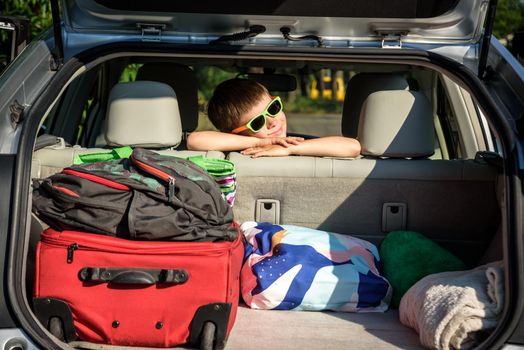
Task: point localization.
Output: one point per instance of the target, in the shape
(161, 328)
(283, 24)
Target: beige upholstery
(396, 124)
(183, 80)
(184, 154)
(392, 169)
(143, 114)
(51, 160)
(359, 88)
(293, 166)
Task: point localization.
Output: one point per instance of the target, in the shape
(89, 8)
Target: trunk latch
(151, 32)
(392, 41)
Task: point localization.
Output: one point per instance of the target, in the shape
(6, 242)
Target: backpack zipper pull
(171, 189)
(71, 251)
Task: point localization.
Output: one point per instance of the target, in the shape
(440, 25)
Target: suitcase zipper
(71, 242)
(158, 173)
(71, 251)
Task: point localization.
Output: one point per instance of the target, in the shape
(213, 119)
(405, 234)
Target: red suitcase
(137, 293)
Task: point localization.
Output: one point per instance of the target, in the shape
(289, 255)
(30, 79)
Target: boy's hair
(231, 99)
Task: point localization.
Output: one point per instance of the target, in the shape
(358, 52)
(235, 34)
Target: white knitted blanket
(453, 310)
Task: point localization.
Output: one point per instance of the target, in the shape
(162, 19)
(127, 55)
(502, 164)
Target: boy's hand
(282, 141)
(269, 150)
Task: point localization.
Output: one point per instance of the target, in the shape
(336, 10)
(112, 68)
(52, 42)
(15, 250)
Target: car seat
(359, 88)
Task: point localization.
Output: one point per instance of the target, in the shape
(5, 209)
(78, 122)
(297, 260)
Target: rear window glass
(314, 108)
(326, 8)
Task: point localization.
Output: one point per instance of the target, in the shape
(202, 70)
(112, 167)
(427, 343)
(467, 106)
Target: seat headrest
(359, 88)
(396, 124)
(143, 114)
(183, 80)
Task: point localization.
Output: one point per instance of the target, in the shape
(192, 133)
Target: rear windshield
(325, 8)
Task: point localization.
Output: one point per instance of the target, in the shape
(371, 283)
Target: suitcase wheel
(207, 339)
(56, 328)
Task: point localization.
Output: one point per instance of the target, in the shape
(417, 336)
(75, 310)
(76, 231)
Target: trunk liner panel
(301, 330)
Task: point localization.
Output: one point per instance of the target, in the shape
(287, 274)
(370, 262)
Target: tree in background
(37, 11)
(509, 18)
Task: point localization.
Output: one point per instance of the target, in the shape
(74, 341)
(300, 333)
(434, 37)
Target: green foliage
(129, 73)
(509, 17)
(37, 11)
(208, 78)
(302, 104)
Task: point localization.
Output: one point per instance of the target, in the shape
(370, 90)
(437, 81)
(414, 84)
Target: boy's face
(275, 126)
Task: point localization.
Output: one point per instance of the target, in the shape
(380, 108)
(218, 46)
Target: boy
(253, 121)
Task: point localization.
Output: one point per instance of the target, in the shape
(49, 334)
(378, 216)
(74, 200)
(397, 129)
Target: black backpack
(146, 197)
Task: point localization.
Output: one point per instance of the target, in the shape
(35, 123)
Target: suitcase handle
(132, 275)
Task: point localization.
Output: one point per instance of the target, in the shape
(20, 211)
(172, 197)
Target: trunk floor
(263, 329)
(300, 330)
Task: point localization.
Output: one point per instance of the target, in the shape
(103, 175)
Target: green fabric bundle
(215, 167)
(115, 153)
(408, 256)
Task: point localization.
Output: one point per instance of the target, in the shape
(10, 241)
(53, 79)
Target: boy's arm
(221, 141)
(330, 146)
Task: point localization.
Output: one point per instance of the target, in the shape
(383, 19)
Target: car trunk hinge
(151, 32)
(58, 55)
(16, 113)
(486, 38)
(391, 40)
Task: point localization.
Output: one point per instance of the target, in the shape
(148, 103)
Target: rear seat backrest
(359, 88)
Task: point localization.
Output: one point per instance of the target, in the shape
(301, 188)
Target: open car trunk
(453, 197)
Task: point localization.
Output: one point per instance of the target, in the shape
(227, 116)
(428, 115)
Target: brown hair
(231, 99)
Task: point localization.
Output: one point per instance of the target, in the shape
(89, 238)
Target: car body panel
(6, 177)
(456, 33)
(461, 23)
(15, 338)
(21, 83)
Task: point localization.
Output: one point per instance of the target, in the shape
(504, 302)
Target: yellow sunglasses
(258, 122)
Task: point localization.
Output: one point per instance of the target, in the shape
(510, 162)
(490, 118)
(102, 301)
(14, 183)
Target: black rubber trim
(332, 8)
(6, 178)
(414, 57)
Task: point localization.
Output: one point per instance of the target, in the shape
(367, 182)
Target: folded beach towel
(455, 310)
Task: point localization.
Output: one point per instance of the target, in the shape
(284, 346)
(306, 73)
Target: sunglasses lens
(257, 123)
(274, 108)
